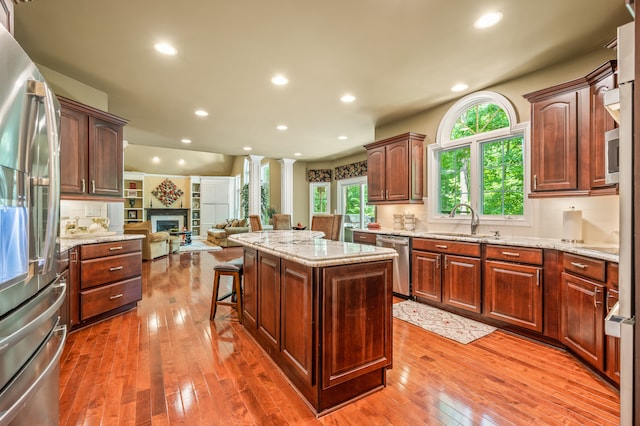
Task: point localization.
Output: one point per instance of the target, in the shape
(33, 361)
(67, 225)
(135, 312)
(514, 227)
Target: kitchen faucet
(475, 220)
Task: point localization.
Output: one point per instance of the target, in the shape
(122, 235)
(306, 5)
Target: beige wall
(73, 89)
(600, 214)
(152, 181)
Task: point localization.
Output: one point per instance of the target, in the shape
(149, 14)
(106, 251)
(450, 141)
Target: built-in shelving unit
(134, 197)
(195, 205)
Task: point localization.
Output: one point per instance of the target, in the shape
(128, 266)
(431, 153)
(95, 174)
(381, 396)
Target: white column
(254, 183)
(286, 185)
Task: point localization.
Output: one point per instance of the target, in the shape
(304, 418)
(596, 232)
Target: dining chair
(336, 227)
(281, 221)
(254, 223)
(324, 223)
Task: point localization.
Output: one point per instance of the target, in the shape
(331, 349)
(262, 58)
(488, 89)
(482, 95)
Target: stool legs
(237, 287)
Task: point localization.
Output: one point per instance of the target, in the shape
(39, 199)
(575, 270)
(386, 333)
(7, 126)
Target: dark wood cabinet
(427, 275)
(6, 14)
(269, 300)
(568, 125)
(583, 307)
(104, 279)
(91, 150)
(448, 272)
(395, 169)
(327, 328)
(513, 287)
(612, 355)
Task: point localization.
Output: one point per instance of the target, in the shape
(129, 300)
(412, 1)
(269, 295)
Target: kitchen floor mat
(446, 324)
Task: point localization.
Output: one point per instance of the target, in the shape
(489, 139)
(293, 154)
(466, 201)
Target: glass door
(352, 204)
(320, 199)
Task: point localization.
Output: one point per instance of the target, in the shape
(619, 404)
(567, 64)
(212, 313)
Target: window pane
(479, 118)
(503, 177)
(320, 199)
(454, 178)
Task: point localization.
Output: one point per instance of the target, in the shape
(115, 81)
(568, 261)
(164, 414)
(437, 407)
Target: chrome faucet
(475, 220)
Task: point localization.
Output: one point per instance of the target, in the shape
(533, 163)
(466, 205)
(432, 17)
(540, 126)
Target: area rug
(446, 324)
(199, 245)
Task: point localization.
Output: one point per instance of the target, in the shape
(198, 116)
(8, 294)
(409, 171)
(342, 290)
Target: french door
(352, 204)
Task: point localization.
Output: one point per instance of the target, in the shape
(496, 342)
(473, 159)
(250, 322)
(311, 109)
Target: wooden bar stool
(231, 269)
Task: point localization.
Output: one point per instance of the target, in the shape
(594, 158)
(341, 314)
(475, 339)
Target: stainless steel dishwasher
(401, 265)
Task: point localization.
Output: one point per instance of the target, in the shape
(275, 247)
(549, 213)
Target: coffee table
(185, 237)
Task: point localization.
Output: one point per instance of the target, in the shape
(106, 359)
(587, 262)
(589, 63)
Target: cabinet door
(250, 290)
(376, 174)
(513, 294)
(73, 151)
(601, 122)
(613, 344)
(582, 322)
(461, 285)
(298, 339)
(426, 275)
(269, 300)
(396, 173)
(6, 14)
(555, 143)
(416, 163)
(353, 343)
(106, 158)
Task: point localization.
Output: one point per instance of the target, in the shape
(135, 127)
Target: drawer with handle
(92, 251)
(109, 297)
(514, 254)
(446, 246)
(110, 269)
(364, 238)
(585, 266)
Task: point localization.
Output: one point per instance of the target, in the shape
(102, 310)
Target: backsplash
(600, 219)
(84, 211)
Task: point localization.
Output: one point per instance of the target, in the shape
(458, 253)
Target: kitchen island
(321, 309)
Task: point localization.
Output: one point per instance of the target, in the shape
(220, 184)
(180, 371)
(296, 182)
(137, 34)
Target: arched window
(479, 159)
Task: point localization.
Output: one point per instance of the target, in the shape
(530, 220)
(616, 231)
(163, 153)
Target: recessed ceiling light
(165, 48)
(488, 20)
(348, 98)
(201, 113)
(281, 127)
(185, 140)
(156, 159)
(181, 161)
(247, 148)
(279, 80)
(297, 154)
(342, 137)
(459, 87)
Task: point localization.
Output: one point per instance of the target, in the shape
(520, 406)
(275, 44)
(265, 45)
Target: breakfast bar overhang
(321, 309)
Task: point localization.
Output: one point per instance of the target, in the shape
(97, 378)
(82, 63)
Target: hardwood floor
(166, 363)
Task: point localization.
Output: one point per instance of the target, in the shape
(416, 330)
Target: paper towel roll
(572, 226)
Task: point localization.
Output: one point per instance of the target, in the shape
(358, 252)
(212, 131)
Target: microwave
(612, 156)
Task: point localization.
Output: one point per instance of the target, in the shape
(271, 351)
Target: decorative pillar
(286, 185)
(254, 183)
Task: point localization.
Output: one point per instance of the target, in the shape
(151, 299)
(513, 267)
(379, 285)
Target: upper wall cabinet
(394, 169)
(569, 122)
(90, 152)
(6, 14)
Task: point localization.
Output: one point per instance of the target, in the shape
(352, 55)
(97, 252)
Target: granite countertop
(310, 249)
(69, 243)
(595, 250)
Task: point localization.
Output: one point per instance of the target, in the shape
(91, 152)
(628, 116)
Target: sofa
(219, 234)
(155, 244)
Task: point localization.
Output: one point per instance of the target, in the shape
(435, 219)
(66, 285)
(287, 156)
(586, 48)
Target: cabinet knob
(84, 186)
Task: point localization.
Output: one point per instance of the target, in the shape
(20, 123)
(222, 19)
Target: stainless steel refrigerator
(31, 292)
(620, 150)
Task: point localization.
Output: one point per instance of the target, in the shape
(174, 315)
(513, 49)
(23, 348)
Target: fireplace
(165, 219)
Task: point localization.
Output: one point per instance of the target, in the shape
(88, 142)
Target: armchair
(155, 244)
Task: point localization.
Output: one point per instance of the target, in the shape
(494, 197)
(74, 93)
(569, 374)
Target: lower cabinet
(513, 289)
(583, 310)
(106, 279)
(447, 272)
(327, 328)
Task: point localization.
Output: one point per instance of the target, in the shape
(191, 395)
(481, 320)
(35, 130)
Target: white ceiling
(398, 57)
